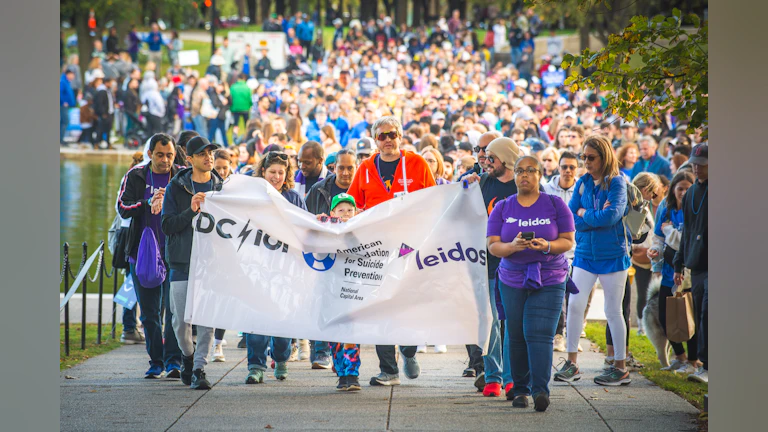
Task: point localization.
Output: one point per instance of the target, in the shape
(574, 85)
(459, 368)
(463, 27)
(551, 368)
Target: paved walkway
(108, 393)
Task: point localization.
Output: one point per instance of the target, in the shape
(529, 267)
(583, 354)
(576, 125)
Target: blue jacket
(600, 234)
(66, 95)
(313, 132)
(359, 130)
(154, 44)
(305, 30)
(342, 129)
(656, 165)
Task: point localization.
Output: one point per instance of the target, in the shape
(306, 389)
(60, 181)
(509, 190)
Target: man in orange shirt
(389, 173)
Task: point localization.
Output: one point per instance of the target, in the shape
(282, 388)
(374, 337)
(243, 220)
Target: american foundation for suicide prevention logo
(319, 262)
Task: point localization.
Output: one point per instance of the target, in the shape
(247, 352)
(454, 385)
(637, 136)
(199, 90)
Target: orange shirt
(368, 189)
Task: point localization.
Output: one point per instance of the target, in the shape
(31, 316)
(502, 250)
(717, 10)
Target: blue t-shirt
(547, 218)
(665, 214)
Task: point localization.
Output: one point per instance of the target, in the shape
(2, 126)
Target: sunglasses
(567, 168)
(590, 158)
(383, 136)
(529, 171)
(478, 149)
(279, 155)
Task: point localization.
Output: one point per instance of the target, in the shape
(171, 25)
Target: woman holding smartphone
(598, 204)
(531, 231)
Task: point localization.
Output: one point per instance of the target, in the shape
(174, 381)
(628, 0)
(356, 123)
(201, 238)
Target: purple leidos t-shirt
(547, 218)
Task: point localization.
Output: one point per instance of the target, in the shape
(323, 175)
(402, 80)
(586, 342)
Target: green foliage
(92, 349)
(652, 67)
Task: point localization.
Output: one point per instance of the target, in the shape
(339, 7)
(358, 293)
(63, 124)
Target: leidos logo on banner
(456, 254)
(206, 223)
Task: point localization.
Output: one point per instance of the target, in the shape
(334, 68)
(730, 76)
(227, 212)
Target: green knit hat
(342, 197)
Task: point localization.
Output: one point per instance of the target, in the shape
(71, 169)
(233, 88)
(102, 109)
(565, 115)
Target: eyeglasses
(567, 168)
(384, 135)
(529, 171)
(590, 158)
(478, 149)
(491, 159)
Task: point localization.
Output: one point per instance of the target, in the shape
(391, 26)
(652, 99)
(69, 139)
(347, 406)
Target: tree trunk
(294, 6)
(240, 8)
(84, 42)
(368, 9)
(401, 12)
(280, 7)
(418, 13)
(329, 15)
(266, 5)
(252, 11)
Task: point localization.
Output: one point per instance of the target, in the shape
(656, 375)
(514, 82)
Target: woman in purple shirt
(531, 231)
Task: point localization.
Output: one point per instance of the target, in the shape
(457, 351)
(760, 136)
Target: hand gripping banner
(409, 271)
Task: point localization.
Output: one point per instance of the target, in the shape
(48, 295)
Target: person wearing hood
(562, 185)
(155, 105)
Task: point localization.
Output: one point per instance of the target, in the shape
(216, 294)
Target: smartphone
(529, 235)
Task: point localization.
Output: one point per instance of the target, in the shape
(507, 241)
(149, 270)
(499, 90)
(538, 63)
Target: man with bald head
(479, 150)
(496, 184)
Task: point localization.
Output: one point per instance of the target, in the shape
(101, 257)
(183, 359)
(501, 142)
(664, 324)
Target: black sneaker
(199, 382)
(468, 373)
(186, 370)
(480, 382)
(520, 401)
(242, 344)
(353, 383)
(569, 372)
(540, 402)
(172, 371)
(342, 384)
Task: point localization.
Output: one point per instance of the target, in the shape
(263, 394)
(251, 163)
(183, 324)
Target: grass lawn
(643, 351)
(76, 355)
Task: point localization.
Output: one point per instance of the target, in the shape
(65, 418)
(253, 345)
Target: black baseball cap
(198, 144)
(700, 155)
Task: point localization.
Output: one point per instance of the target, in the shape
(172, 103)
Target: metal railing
(82, 278)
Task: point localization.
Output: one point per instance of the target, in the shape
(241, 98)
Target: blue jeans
(153, 302)
(213, 126)
(201, 125)
(257, 350)
(63, 122)
(492, 360)
(531, 321)
(318, 348)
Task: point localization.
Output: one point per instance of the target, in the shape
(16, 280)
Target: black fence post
(114, 305)
(85, 290)
(66, 305)
(102, 269)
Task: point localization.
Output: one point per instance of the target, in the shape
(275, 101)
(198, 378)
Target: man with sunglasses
(562, 185)
(387, 174)
(479, 149)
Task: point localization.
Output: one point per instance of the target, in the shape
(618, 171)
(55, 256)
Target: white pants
(613, 289)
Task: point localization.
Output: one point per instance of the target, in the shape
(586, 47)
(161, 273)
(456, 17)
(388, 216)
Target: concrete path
(108, 393)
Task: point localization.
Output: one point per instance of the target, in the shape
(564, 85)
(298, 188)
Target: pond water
(88, 192)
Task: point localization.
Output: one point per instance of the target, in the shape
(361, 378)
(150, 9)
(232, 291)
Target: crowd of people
(556, 169)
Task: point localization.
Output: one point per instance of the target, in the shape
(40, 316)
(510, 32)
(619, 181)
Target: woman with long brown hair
(293, 130)
(598, 204)
(328, 139)
(435, 161)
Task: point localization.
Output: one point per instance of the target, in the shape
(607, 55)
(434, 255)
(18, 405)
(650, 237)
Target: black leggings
(665, 292)
(642, 280)
(625, 311)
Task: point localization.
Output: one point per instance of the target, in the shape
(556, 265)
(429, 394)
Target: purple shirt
(547, 218)
(155, 182)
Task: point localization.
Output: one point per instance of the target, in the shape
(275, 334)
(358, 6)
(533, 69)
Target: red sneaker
(272, 365)
(508, 388)
(492, 389)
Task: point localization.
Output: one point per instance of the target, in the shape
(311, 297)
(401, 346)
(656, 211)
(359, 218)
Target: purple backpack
(150, 269)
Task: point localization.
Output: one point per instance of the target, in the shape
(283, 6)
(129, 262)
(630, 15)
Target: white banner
(276, 44)
(410, 271)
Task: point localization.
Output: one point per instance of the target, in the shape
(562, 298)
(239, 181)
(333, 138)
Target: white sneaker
(685, 369)
(303, 349)
(640, 329)
(559, 343)
(701, 375)
(223, 342)
(440, 349)
(674, 365)
(580, 348)
(421, 349)
(294, 353)
(218, 353)
(583, 331)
